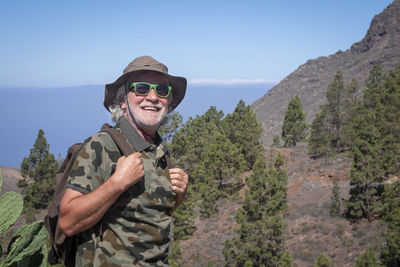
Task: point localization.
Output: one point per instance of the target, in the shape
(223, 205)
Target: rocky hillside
(380, 44)
(310, 230)
(10, 179)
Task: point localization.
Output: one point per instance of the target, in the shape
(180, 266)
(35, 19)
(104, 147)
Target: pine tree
(259, 240)
(213, 115)
(41, 166)
(244, 131)
(335, 207)
(29, 166)
(276, 141)
(208, 190)
(220, 159)
(390, 254)
(349, 112)
(391, 163)
(331, 128)
(323, 261)
(319, 142)
(376, 143)
(368, 258)
(170, 125)
(279, 161)
(175, 256)
(190, 140)
(294, 125)
(365, 172)
(389, 125)
(334, 94)
(374, 84)
(286, 260)
(183, 217)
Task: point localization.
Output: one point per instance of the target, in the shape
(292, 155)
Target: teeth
(150, 108)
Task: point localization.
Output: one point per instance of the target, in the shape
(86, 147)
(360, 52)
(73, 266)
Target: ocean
(71, 114)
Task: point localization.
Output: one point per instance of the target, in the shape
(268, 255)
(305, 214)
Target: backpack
(64, 247)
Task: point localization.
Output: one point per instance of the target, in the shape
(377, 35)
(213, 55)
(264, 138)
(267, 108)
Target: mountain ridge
(310, 80)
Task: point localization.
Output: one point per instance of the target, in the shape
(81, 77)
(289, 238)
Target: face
(150, 110)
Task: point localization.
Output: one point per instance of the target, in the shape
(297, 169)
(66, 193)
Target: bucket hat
(147, 63)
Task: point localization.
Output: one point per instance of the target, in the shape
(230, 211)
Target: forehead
(150, 77)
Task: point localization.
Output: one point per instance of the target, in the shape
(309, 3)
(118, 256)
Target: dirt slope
(310, 230)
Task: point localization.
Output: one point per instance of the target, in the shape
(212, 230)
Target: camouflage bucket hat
(147, 63)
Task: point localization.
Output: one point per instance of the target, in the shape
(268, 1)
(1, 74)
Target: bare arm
(79, 212)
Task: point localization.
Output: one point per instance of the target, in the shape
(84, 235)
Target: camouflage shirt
(136, 228)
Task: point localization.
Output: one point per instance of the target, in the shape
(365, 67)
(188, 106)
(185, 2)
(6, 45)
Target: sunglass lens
(162, 90)
(142, 88)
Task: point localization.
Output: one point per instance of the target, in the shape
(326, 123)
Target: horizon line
(205, 81)
(196, 81)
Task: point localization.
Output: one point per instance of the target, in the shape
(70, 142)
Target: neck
(148, 137)
(146, 134)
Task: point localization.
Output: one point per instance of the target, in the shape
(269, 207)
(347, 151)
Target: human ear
(123, 103)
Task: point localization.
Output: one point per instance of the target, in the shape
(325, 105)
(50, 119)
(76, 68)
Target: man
(120, 207)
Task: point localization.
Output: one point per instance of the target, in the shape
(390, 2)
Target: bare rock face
(381, 45)
(11, 176)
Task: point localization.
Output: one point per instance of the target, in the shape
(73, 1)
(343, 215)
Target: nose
(152, 95)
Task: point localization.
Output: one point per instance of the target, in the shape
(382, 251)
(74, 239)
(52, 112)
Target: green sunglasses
(143, 89)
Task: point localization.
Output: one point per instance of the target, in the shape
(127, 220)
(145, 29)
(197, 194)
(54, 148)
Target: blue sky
(56, 56)
(68, 43)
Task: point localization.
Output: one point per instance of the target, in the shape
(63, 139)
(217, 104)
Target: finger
(136, 158)
(176, 189)
(177, 183)
(136, 155)
(175, 175)
(175, 180)
(121, 159)
(176, 170)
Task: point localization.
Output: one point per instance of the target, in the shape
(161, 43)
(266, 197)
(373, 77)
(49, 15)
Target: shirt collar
(138, 143)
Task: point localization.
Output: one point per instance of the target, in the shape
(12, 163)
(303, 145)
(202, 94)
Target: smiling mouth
(148, 108)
